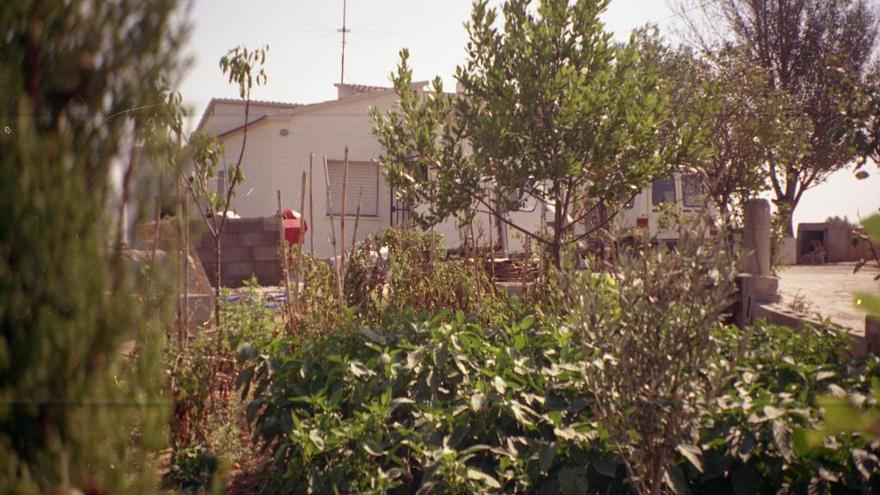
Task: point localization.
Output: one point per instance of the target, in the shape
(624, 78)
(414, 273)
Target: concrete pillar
(757, 286)
(756, 237)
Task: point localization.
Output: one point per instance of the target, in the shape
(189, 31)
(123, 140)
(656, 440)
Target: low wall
(248, 247)
(860, 344)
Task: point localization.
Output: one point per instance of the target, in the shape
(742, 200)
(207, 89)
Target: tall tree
(809, 49)
(864, 113)
(548, 107)
(75, 75)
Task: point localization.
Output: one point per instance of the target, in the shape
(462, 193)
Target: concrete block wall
(248, 247)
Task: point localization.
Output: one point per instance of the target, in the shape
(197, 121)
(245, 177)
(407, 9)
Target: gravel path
(828, 290)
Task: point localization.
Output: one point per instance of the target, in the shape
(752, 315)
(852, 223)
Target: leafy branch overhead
(548, 108)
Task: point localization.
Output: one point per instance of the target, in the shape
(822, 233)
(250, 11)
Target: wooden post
(333, 234)
(302, 240)
(342, 217)
(285, 264)
(311, 208)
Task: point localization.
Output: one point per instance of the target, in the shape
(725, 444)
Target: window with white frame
(362, 185)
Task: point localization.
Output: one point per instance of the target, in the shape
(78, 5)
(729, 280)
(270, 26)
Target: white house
(281, 137)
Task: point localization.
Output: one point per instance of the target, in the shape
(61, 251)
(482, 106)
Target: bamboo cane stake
(333, 233)
(302, 240)
(342, 217)
(311, 223)
(185, 235)
(285, 260)
(357, 219)
(181, 309)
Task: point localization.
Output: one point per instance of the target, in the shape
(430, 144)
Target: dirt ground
(828, 290)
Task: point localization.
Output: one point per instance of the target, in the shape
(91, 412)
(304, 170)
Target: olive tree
(548, 107)
(653, 366)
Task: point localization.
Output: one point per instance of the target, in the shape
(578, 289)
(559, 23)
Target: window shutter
(363, 182)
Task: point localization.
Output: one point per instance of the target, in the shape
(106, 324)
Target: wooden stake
(185, 235)
(285, 260)
(342, 217)
(357, 220)
(299, 269)
(311, 208)
(333, 233)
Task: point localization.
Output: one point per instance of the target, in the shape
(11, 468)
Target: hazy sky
(303, 61)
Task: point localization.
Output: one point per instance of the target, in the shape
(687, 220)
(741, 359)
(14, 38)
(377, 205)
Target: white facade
(281, 137)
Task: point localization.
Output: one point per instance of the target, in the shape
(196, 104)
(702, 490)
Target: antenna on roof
(344, 31)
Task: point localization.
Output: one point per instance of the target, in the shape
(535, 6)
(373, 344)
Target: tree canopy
(548, 107)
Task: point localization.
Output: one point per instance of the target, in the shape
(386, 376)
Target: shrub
(436, 405)
(399, 270)
(652, 364)
(754, 441)
(193, 469)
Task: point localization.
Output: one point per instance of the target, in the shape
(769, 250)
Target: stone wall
(248, 247)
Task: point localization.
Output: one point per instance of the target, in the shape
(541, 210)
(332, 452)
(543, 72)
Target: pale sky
(303, 61)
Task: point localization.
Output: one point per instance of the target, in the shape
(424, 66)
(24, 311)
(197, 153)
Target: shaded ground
(828, 290)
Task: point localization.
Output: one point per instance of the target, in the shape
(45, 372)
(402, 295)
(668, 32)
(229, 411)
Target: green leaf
(872, 227)
(245, 352)
(782, 438)
(477, 401)
(317, 439)
(499, 384)
(868, 302)
(676, 481)
(374, 336)
(773, 412)
(484, 478)
(605, 465)
(693, 454)
(572, 481)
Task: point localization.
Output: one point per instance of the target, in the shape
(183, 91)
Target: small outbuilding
(831, 242)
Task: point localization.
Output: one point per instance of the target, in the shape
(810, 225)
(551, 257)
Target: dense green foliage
(80, 382)
(447, 405)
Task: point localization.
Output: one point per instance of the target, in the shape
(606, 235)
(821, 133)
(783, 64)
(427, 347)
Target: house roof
(209, 110)
(361, 88)
(361, 92)
(250, 124)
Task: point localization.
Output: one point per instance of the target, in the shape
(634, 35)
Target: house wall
(274, 162)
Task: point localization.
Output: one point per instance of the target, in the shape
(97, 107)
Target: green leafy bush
(755, 443)
(432, 405)
(447, 405)
(652, 365)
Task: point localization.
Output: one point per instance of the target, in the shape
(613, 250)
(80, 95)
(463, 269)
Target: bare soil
(829, 290)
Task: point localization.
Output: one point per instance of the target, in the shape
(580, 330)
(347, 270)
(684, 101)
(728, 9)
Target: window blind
(363, 182)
